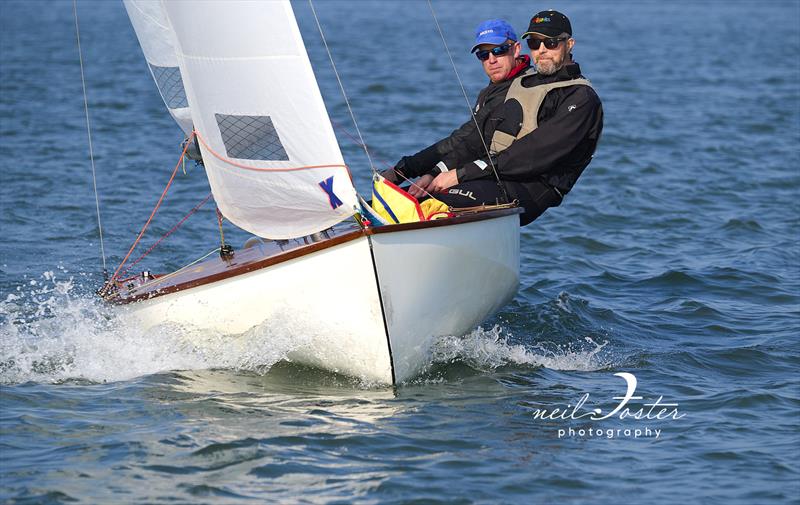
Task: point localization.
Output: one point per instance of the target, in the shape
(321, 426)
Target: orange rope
(155, 209)
(208, 148)
(239, 165)
(170, 232)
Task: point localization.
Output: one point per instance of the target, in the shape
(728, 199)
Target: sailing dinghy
(236, 77)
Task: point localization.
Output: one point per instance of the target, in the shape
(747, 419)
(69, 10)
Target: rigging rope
(110, 282)
(170, 232)
(466, 99)
(382, 162)
(162, 278)
(89, 134)
(225, 251)
(341, 86)
(221, 233)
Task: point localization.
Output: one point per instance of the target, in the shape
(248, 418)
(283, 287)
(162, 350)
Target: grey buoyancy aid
(531, 101)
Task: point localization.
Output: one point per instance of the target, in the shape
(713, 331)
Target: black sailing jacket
(570, 122)
(464, 144)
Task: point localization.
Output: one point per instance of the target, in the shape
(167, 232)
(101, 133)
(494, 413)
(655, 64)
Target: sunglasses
(483, 54)
(548, 43)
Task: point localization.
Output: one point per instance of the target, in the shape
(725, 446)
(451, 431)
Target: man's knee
(535, 200)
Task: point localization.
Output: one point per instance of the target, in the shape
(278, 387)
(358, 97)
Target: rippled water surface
(675, 260)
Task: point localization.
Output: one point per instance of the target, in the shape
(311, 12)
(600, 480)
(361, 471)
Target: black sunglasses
(551, 43)
(483, 54)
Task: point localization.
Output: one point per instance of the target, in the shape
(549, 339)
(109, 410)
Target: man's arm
(543, 149)
(449, 152)
(438, 157)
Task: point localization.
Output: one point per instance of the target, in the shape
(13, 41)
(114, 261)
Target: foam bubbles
(490, 349)
(49, 332)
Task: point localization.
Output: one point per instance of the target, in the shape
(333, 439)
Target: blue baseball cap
(493, 31)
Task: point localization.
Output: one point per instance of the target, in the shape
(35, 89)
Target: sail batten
(269, 150)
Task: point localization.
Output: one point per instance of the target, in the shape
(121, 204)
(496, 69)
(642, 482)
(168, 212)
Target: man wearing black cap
(544, 134)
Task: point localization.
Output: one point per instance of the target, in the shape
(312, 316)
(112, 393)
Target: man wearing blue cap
(539, 140)
(498, 49)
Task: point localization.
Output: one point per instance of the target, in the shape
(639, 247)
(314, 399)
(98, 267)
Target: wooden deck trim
(479, 215)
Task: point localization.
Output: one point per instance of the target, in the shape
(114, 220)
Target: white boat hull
(370, 307)
(443, 281)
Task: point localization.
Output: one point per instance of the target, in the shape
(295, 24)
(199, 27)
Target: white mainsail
(155, 36)
(268, 146)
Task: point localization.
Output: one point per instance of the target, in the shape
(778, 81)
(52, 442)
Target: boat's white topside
(326, 301)
(367, 305)
(443, 281)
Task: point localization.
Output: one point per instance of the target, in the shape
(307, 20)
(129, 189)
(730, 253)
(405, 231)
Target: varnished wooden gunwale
(460, 219)
(252, 259)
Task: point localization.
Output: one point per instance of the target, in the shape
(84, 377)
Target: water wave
(52, 332)
(490, 349)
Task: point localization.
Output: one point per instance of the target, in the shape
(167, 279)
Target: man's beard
(546, 67)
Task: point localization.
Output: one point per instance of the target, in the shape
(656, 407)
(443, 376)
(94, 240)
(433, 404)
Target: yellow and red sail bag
(396, 206)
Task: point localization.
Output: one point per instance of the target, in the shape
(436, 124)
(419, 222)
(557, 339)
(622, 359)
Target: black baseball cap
(548, 23)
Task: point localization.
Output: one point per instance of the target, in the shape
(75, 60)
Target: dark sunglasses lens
(483, 55)
(501, 50)
(548, 43)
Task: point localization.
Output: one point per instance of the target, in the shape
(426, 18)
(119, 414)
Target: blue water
(676, 259)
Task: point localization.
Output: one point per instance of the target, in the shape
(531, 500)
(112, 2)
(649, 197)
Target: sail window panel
(250, 138)
(170, 84)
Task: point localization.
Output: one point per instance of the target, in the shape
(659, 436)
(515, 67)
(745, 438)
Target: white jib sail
(155, 36)
(268, 147)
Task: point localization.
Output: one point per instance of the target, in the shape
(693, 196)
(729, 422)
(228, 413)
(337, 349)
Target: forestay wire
(341, 87)
(89, 134)
(466, 99)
